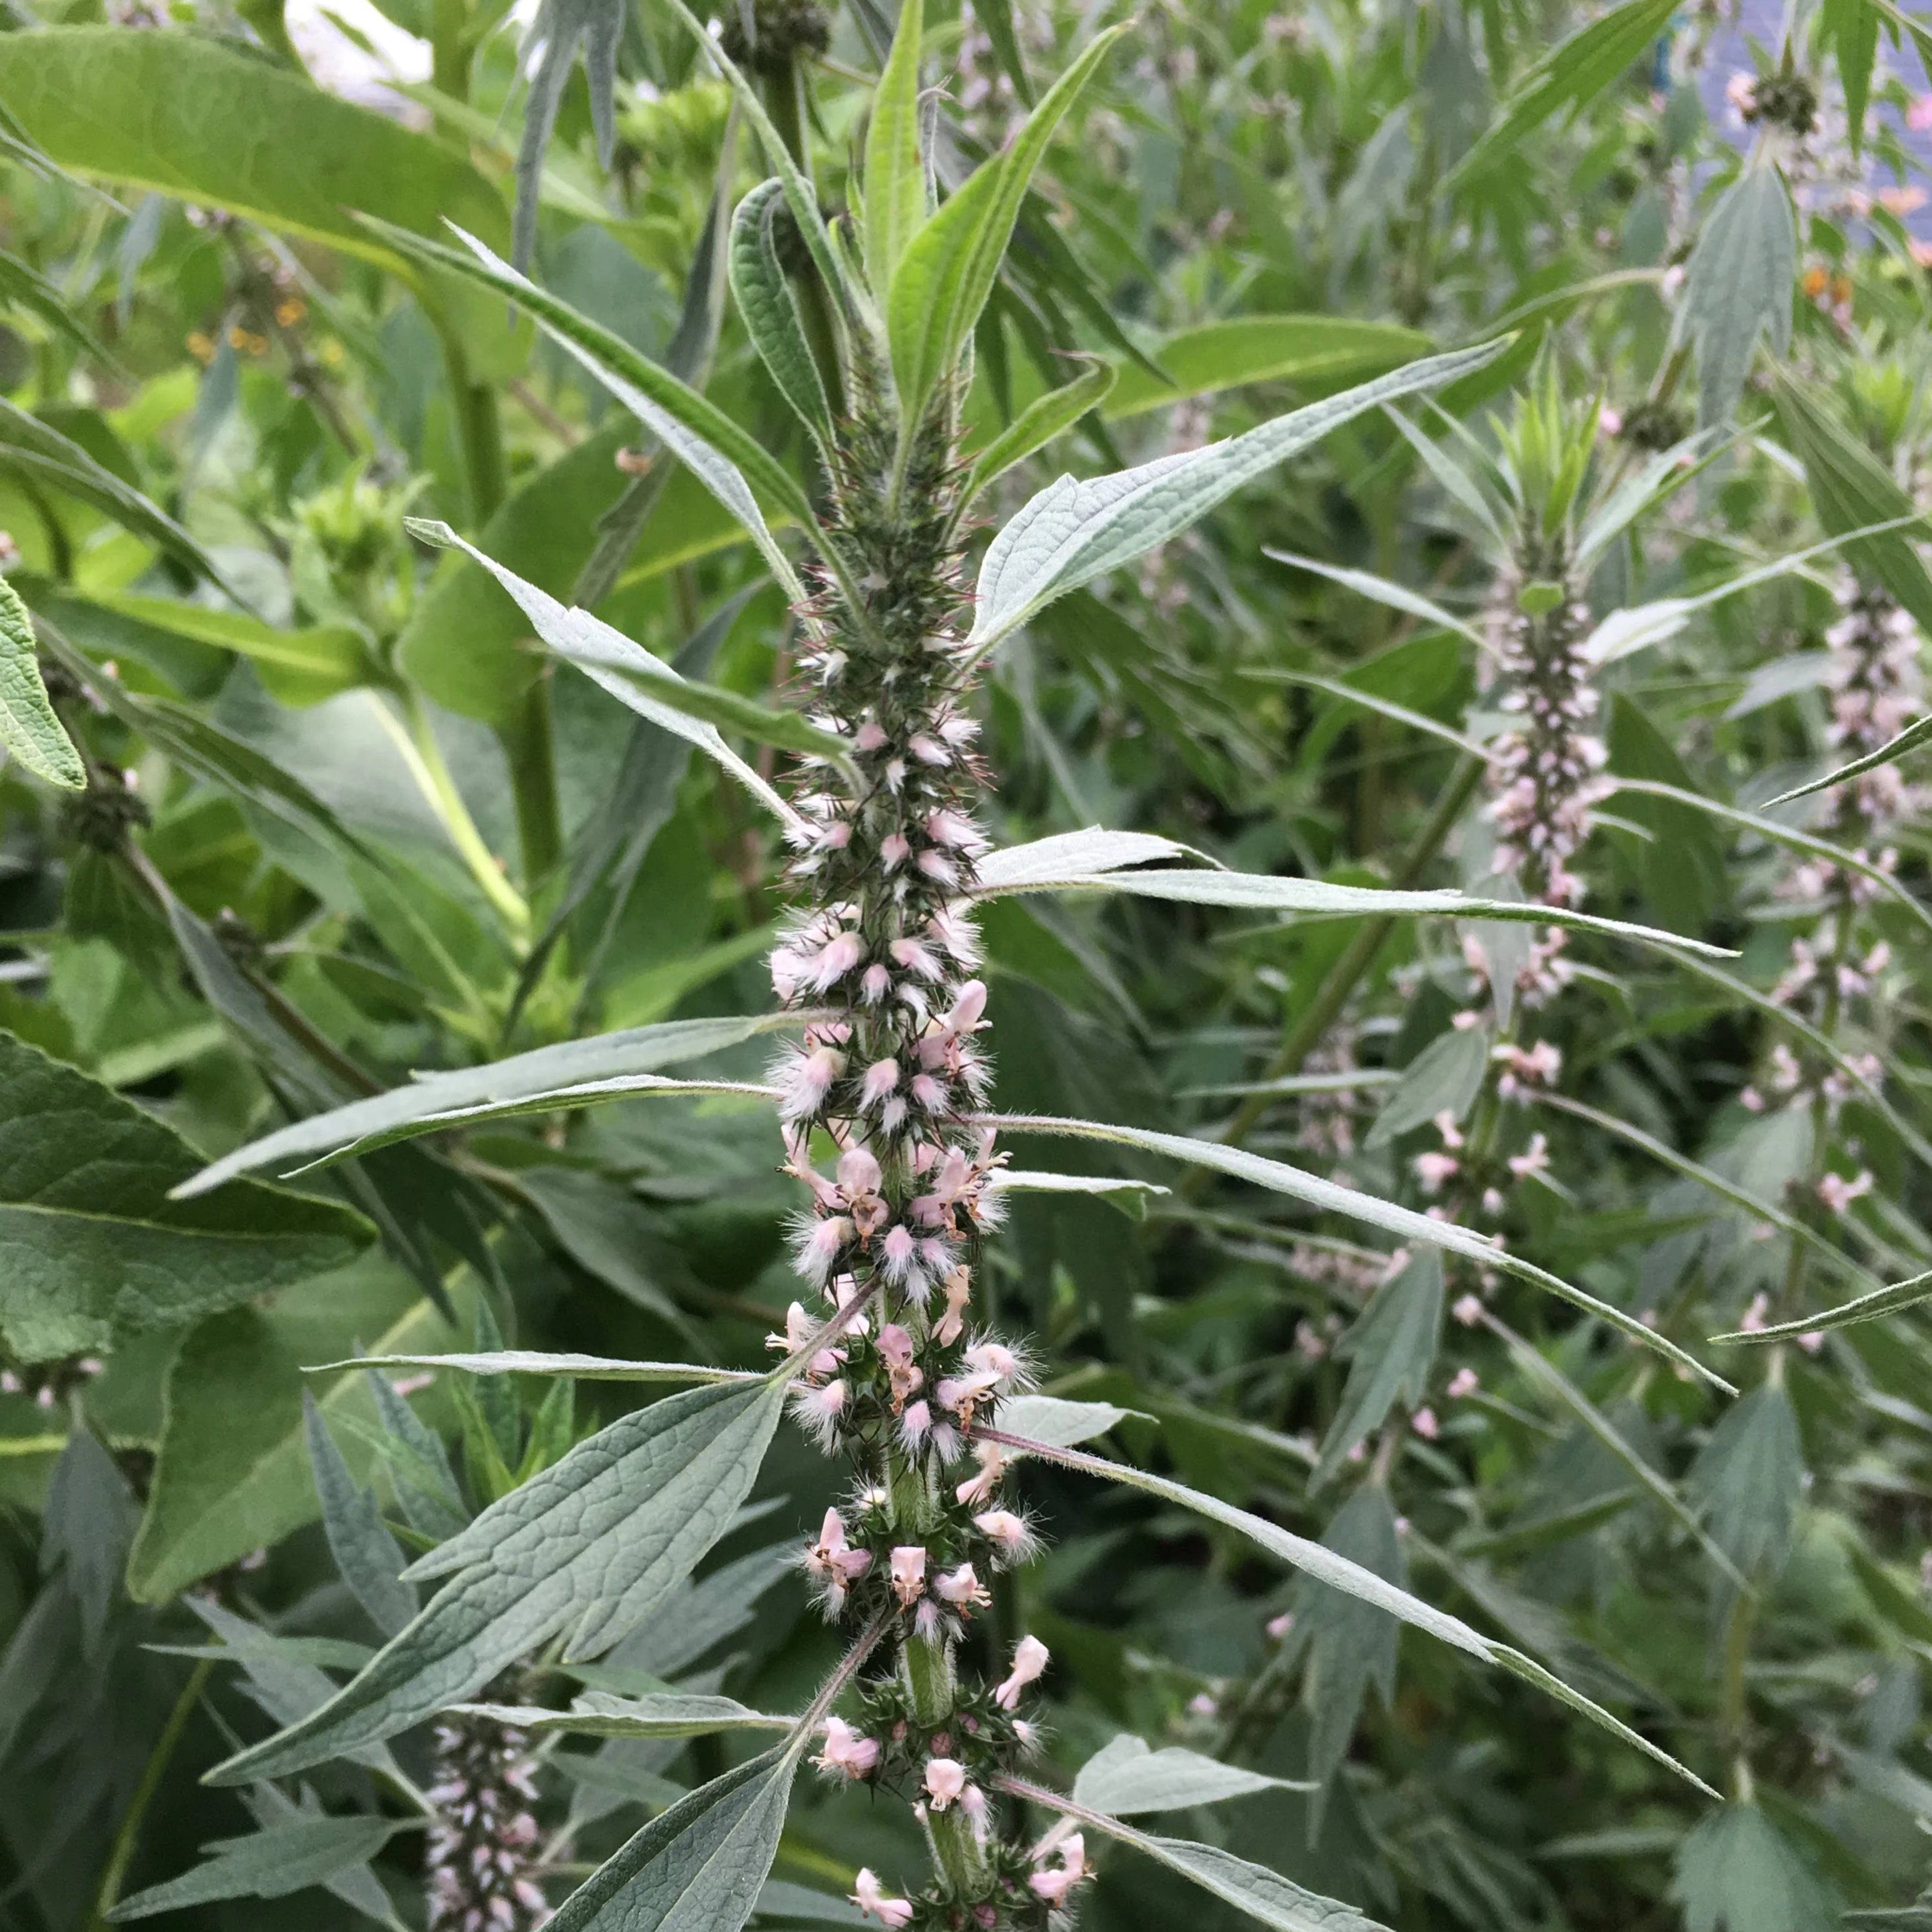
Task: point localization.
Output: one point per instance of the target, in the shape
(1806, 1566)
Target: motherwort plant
(881, 1092)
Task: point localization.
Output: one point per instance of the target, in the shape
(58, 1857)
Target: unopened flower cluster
(876, 1101)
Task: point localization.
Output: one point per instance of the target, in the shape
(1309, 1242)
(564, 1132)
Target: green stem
(128, 1837)
(1341, 979)
(416, 739)
(529, 744)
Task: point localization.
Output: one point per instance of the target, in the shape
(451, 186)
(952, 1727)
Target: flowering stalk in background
(483, 1846)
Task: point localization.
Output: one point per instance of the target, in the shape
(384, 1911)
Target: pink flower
(961, 1588)
(849, 1753)
(1008, 1533)
(882, 1077)
(909, 1572)
(945, 1780)
(1053, 1883)
(1838, 1193)
(1464, 1382)
(1030, 1657)
(834, 1562)
(1279, 1627)
(873, 1903)
(1433, 1168)
(992, 1466)
(1425, 1425)
(1468, 1310)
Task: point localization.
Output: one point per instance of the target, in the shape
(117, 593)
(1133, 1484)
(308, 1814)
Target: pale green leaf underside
(1891, 1301)
(1127, 1777)
(635, 1050)
(535, 1362)
(1331, 1197)
(1914, 735)
(272, 1864)
(647, 685)
(1072, 532)
(770, 309)
(29, 731)
(670, 1714)
(1339, 1573)
(1318, 899)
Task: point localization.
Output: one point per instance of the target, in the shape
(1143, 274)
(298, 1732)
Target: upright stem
(128, 1837)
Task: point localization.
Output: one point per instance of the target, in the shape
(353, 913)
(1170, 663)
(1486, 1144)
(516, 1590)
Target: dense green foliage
(1257, 621)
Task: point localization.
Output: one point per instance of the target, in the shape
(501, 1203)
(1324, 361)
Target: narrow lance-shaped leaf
(647, 684)
(271, 1864)
(765, 300)
(1262, 1893)
(605, 1056)
(1892, 1300)
(671, 1714)
(1331, 1198)
(537, 1362)
(29, 731)
(1326, 1566)
(895, 179)
(1043, 419)
(580, 1552)
(1914, 735)
(1318, 898)
(947, 272)
(727, 460)
(368, 1556)
(1072, 532)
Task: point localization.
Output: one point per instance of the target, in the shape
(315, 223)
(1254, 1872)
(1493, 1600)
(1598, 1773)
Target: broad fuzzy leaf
(94, 1247)
(582, 1551)
(1390, 1348)
(1736, 1872)
(30, 733)
(1443, 1078)
(670, 1714)
(1127, 1777)
(1072, 532)
(1739, 287)
(1749, 1479)
(770, 309)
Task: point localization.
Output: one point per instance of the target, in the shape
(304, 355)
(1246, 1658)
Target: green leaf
(1851, 488)
(895, 179)
(189, 116)
(698, 1866)
(727, 460)
(1850, 27)
(1444, 1077)
(1316, 354)
(1053, 1419)
(559, 27)
(1320, 899)
(1391, 1347)
(1072, 532)
(1043, 419)
(1397, 596)
(232, 1475)
(30, 733)
(948, 270)
(770, 309)
(669, 1714)
(1915, 734)
(1330, 1197)
(298, 667)
(635, 1050)
(582, 1551)
(270, 1864)
(1571, 73)
(1127, 1777)
(1258, 1891)
(1749, 1479)
(1881, 1301)
(368, 1556)
(1738, 287)
(97, 1249)
(1736, 1872)
(647, 685)
(1071, 855)
(43, 454)
(1339, 1573)
(537, 1362)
